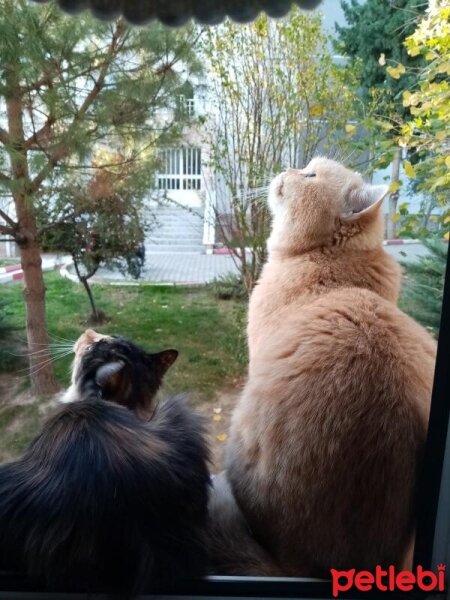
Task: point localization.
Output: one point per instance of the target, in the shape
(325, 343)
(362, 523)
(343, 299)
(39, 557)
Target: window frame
(433, 519)
(177, 162)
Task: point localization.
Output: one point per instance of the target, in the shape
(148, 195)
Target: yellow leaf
(447, 220)
(393, 72)
(447, 161)
(395, 218)
(406, 98)
(222, 437)
(409, 169)
(382, 59)
(441, 135)
(444, 68)
(394, 186)
(414, 51)
(217, 418)
(316, 110)
(447, 236)
(350, 128)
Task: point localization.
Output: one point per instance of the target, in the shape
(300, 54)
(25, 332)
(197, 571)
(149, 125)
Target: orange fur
(327, 438)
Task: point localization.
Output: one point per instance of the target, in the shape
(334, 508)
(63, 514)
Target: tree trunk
(43, 381)
(394, 196)
(84, 281)
(87, 287)
(41, 370)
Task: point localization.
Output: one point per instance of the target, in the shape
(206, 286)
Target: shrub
(423, 292)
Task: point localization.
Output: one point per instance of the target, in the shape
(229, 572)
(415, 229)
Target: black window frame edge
(432, 544)
(433, 506)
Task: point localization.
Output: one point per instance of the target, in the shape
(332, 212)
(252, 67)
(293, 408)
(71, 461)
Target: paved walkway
(13, 272)
(176, 268)
(170, 268)
(182, 269)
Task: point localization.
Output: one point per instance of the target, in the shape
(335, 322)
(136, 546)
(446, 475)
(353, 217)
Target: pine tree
(378, 28)
(66, 85)
(423, 292)
(374, 39)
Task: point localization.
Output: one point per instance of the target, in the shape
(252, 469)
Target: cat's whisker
(42, 351)
(36, 368)
(351, 155)
(55, 351)
(338, 154)
(63, 339)
(47, 345)
(49, 350)
(333, 154)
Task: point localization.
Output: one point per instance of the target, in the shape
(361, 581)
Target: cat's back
(287, 287)
(326, 440)
(94, 503)
(348, 334)
(344, 389)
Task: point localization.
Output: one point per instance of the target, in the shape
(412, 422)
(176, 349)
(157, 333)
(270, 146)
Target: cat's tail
(231, 546)
(102, 501)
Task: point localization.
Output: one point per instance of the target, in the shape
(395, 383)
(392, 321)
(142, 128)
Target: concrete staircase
(177, 230)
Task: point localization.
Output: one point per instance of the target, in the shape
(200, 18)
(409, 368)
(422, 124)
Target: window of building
(186, 105)
(181, 169)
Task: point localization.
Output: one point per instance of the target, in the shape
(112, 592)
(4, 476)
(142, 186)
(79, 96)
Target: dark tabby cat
(106, 498)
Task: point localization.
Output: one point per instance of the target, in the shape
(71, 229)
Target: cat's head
(114, 369)
(324, 204)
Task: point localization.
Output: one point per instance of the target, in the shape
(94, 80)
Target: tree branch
(4, 137)
(62, 151)
(12, 224)
(4, 230)
(41, 135)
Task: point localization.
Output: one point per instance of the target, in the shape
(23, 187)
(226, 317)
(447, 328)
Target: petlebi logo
(388, 579)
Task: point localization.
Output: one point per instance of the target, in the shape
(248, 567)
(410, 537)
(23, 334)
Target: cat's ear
(166, 358)
(364, 201)
(88, 338)
(108, 375)
(90, 335)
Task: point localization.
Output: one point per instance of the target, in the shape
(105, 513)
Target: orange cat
(327, 438)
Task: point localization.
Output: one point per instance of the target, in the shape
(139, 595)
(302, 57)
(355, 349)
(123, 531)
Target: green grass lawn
(208, 333)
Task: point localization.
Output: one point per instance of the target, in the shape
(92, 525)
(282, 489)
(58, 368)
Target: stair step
(168, 248)
(175, 230)
(174, 240)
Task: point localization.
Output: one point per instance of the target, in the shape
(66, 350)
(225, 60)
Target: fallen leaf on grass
(222, 437)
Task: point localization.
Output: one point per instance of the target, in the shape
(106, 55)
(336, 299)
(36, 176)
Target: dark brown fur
(106, 498)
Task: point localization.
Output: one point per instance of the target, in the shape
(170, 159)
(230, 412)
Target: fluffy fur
(102, 499)
(114, 369)
(327, 438)
(232, 547)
